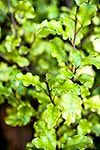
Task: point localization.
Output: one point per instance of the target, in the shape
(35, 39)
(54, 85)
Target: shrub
(50, 58)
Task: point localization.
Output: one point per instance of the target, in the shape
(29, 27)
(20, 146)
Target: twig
(75, 25)
(95, 87)
(12, 18)
(5, 59)
(75, 29)
(49, 92)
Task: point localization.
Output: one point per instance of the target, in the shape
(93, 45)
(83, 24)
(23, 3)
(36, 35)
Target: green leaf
(86, 79)
(48, 27)
(23, 50)
(96, 129)
(8, 94)
(78, 142)
(57, 49)
(41, 96)
(21, 117)
(51, 115)
(4, 71)
(84, 91)
(92, 59)
(63, 85)
(89, 11)
(53, 11)
(14, 57)
(79, 2)
(30, 146)
(23, 11)
(12, 42)
(28, 79)
(84, 127)
(70, 105)
(75, 58)
(47, 137)
(92, 103)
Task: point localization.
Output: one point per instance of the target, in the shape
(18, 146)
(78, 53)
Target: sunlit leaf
(21, 117)
(47, 137)
(79, 2)
(89, 11)
(70, 105)
(93, 103)
(92, 59)
(84, 127)
(51, 115)
(28, 79)
(76, 58)
(78, 142)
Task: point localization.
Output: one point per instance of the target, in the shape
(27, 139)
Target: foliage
(49, 54)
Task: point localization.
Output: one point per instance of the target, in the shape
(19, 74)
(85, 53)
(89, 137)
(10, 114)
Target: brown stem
(49, 92)
(95, 87)
(12, 18)
(4, 59)
(75, 29)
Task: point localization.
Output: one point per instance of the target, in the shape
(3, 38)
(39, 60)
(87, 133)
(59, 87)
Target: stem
(12, 18)
(49, 92)
(4, 59)
(95, 87)
(75, 29)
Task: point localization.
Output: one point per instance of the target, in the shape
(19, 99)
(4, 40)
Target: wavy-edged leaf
(12, 42)
(89, 11)
(92, 59)
(23, 11)
(92, 103)
(4, 71)
(84, 127)
(78, 142)
(86, 79)
(28, 79)
(79, 2)
(64, 85)
(47, 137)
(75, 58)
(48, 27)
(51, 115)
(57, 49)
(21, 117)
(70, 105)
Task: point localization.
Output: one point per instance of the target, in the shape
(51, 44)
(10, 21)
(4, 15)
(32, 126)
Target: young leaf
(92, 103)
(75, 58)
(86, 79)
(64, 85)
(12, 42)
(23, 11)
(47, 137)
(70, 105)
(57, 49)
(84, 127)
(92, 59)
(21, 117)
(79, 2)
(78, 142)
(28, 79)
(5, 71)
(51, 115)
(89, 11)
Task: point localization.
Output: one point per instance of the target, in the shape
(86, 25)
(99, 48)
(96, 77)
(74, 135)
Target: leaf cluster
(49, 54)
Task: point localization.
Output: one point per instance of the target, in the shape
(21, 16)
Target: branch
(12, 18)
(94, 88)
(49, 92)
(75, 29)
(4, 59)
